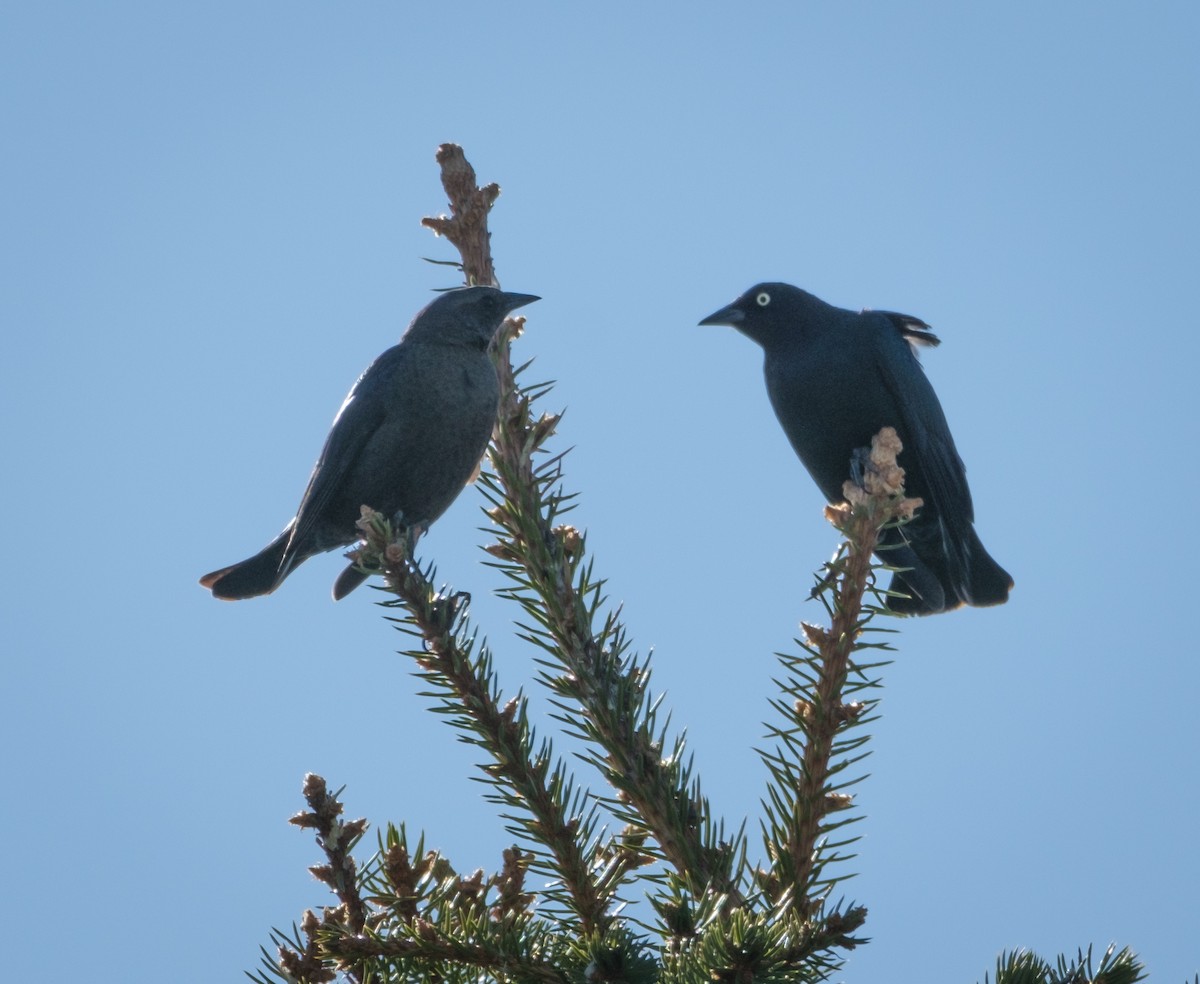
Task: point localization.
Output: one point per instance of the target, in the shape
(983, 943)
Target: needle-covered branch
(867, 510)
(467, 225)
(808, 802)
(407, 915)
(549, 812)
(544, 559)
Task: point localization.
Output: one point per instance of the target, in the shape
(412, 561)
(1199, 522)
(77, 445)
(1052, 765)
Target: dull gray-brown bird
(407, 439)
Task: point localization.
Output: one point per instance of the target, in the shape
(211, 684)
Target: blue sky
(211, 226)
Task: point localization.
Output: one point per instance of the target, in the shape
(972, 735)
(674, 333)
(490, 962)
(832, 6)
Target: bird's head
(769, 311)
(466, 315)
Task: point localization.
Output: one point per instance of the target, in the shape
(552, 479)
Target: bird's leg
(411, 532)
(447, 607)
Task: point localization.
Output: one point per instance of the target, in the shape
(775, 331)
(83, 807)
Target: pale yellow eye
(763, 299)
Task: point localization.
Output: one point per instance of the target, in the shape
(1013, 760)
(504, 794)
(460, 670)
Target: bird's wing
(933, 452)
(923, 419)
(361, 414)
(912, 330)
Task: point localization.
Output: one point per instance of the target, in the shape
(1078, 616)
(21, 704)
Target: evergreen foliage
(647, 831)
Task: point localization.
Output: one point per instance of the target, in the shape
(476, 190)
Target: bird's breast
(827, 401)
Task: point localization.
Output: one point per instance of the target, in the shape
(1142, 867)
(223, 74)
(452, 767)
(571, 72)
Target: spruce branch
(408, 915)
(337, 838)
(808, 798)
(303, 957)
(544, 558)
(549, 810)
(443, 956)
(604, 693)
(298, 957)
(417, 915)
(437, 925)
(588, 667)
(466, 226)
(1115, 967)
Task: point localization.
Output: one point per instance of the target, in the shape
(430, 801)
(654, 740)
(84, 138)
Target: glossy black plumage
(408, 437)
(835, 378)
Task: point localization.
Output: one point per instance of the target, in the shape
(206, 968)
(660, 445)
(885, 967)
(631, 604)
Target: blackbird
(835, 378)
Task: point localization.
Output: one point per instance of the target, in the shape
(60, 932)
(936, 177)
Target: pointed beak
(514, 301)
(731, 316)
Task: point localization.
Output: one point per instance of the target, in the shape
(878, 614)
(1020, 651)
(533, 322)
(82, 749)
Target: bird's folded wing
(356, 422)
(927, 430)
(913, 330)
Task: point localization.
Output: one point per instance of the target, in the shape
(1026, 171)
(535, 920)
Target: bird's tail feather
(915, 588)
(347, 581)
(917, 592)
(987, 582)
(257, 575)
(931, 579)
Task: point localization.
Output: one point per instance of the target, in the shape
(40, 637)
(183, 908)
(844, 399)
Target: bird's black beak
(514, 301)
(731, 316)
